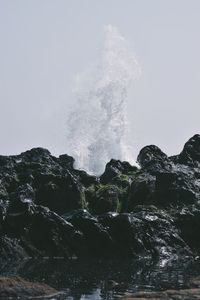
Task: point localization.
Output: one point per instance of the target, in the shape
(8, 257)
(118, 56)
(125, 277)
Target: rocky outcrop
(187, 294)
(48, 208)
(192, 293)
(18, 288)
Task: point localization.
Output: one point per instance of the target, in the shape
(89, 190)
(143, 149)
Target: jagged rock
(167, 182)
(59, 193)
(53, 183)
(187, 221)
(86, 179)
(141, 191)
(114, 168)
(152, 156)
(66, 161)
(146, 232)
(98, 242)
(102, 199)
(42, 198)
(10, 248)
(190, 156)
(42, 232)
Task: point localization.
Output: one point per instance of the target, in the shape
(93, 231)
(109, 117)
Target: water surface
(103, 279)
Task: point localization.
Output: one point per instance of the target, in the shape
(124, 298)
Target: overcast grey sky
(45, 43)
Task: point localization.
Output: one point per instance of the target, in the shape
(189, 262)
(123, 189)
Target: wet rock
(152, 158)
(16, 287)
(98, 242)
(188, 222)
(86, 179)
(176, 188)
(190, 156)
(53, 184)
(102, 199)
(58, 193)
(10, 248)
(48, 208)
(42, 232)
(184, 294)
(66, 161)
(195, 282)
(114, 168)
(110, 285)
(167, 182)
(142, 191)
(145, 232)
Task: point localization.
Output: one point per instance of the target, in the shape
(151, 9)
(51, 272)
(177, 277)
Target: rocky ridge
(50, 209)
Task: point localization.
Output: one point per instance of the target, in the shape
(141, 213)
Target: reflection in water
(103, 279)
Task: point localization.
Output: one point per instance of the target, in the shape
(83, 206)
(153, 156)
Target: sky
(45, 43)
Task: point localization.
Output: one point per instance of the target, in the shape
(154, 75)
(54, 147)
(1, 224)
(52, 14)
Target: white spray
(97, 126)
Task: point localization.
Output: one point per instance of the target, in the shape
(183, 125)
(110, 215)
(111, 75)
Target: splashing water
(98, 123)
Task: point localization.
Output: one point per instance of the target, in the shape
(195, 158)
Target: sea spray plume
(97, 126)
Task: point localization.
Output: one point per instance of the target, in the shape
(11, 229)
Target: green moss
(96, 194)
(119, 207)
(83, 202)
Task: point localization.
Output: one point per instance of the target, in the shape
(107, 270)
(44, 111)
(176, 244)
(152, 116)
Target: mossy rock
(102, 198)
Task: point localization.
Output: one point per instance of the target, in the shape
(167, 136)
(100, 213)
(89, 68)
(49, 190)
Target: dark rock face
(48, 208)
(190, 156)
(102, 199)
(116, 167)
(11, 248)
(152, 156)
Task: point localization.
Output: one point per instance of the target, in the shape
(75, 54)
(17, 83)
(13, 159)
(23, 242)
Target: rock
(110, 285)
(166, 182)
(98, 242)
(176, 188)
(86, 179)
(59, 193)
(3, 212)
(48, 208)
(102, 199)
(114, 168)
(152, 156)
(42, 232)
(145, 232)
(66, 161)
(142, 191)
(50, 178)
(190, 156)
(188, 221)
(184, 294)
(195, 282)
(16, 287)
(10, 248)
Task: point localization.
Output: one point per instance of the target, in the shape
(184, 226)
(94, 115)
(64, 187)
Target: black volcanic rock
(103, 198)
(151, 156)
(114, 168)
(167, 181)
(10, 248)
(48, 208)
(98, 241)
(146, 231)
(190, 156)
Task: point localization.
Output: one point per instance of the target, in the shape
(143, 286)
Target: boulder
(114, 168)
(190, 155)
(103, 198)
